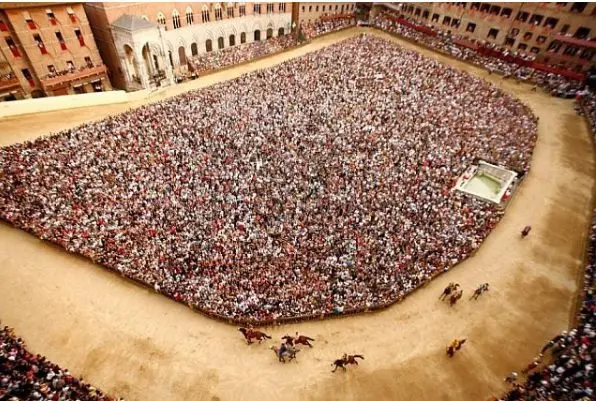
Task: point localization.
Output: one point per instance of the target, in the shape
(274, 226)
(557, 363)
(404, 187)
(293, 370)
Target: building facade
(310, 12)
(559, 34)
(47, 49)
(146, 45)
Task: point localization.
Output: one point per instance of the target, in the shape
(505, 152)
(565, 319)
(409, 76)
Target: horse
(250, 334)
(455, 346)
(455, 297)
(346, 360)
(526, 231)
(479, 291)
(447, 291)
(299, 339)
(285, 351)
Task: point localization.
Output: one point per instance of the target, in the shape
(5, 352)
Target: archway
(209, 45)
(243, 37)
(269, 33)
(220, 42)
(182, 55)
(280, 32)
(232, 40)
(257, 35)
(131, 63)
(147, 59)
(194, 49)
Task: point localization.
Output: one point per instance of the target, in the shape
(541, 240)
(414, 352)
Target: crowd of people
(446, 42)
(569, 357)
(327, 25)
(586, 103)
(242, 53)
(25, 376)
(7, 76)
(318, 186)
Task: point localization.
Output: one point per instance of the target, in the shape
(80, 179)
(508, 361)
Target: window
(570, 50)
(492, 33)
(208, 45)
(509, 41)
(554, 46)
(446, 20)
(89, 62)
(565, 29)
(232, 40)
(71, 14)
(51, 69)
(40, 44)
(471, 27)
(484, 8)
(13, 47)
(243, 37)
(435, 18)
(522, 46)
(310, 9)
(205, 17)
(257, 35)
(522, 16)
(220, 43)
(257, 9)
(281, 7)
(70, 65)
(534, 50)
(425, 14)
(506, 12)
(587, 54)
(242, 10)
(230, 12)
(342, 8)
(417, 11)
(551, 22)
(536, 19)
(336, 7)
(218, 15)
(28, 76)
(61, 40)
(316, 8)
(528, 36)
(514, 32)
(303, 9)
(80, 37)
(189, 16)
(3, 26)
(51, 17)
(578, 7)
(455, 22)
(541, 39)
(323, 7)
(475, 6)
(29, 20)
(176, 19)
(161, 19)
(582, 32)
(495, 10)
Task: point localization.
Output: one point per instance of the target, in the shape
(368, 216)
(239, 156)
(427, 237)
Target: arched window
(220, 42)
(269, 33)
(280, 32)
(218, 16)
(257, 35)
(232, 40)
(243, 37)
(176, 19)
(182, 55)
(205, 14)
(208, 45)
(189, 17)
(194, 49)
(161, 19)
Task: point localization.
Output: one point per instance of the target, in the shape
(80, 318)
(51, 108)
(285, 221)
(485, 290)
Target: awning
(576, 42)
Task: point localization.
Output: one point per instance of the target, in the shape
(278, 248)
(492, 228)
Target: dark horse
(299, 339)
(345, 360)
(250, 334)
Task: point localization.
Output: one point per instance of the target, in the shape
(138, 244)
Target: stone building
(146, 45)
(310, 12)
(47, 49)
(560, 34)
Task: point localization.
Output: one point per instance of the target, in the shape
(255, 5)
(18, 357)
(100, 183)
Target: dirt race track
(142, 346)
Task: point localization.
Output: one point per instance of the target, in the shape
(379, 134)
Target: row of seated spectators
(570, 374)
(70, 70)
(7, 76)
(250, 51)
(25, 376)
(323, 26)
(587, 107)
(444, 42)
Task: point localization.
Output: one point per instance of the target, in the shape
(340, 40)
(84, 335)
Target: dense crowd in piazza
(319, 186)
(31, 377)
(567, 373)
(327, 25)
(444, 42)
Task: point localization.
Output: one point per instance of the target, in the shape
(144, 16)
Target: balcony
(63, 80)
(9, 84)
(576, 41)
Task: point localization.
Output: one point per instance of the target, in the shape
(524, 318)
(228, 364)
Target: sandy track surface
(142, 346)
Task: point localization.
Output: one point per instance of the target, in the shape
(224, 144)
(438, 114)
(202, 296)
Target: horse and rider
(452, 287)
(285, 351)
(456, 296)
(455, 346)
(479, 291)
(345, 361)
(251, 334)
(298, 339)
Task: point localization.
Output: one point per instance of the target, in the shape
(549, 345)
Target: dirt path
(145, 347)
